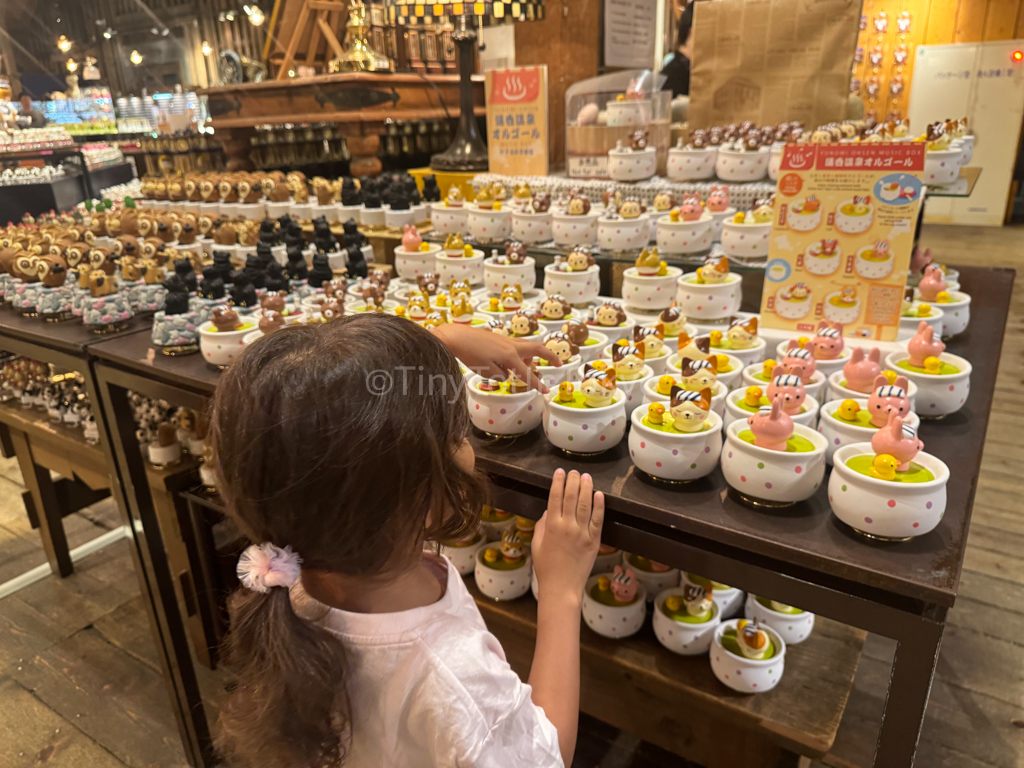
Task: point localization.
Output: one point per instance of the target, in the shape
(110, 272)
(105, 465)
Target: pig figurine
(924, 345)
(718, 198)
(691, 208)
(771, 426)
(827, 343)
(898, 440)
(861, 370)
(788, 389)
(886, 398)
(411, 240)
(623, 585)
(932, 283)
(799, 361)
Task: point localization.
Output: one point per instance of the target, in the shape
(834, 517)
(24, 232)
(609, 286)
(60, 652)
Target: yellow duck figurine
(494, 304)
(942, 297)
(601, 365)
(884, 467)
(441, 300)
(848, 410)
(491, 555)
(656, 413)
(739, 218)
(399, 311)
(565, 390)
(890, 376)
(467, 251)
(662, 268)
(424, 247)
(716, 338)
(673, 215)
(673, 603)
(766, 370)
(932, 365)
(752, 397)
(604, 583)
(723, 362)
(923, 310)
(665, 384)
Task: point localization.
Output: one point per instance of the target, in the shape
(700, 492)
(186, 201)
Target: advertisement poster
(843, 234)
(517, 121)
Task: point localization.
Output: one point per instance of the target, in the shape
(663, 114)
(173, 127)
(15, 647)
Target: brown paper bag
(772, 60)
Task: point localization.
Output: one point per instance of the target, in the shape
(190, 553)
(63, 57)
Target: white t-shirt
(431, 687)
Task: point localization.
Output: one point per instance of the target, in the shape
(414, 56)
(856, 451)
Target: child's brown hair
(317, 452)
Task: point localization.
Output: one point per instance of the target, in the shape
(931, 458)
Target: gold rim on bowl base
(664, 481)
(504, 437)
(876, 537)
(110, 327)
(57, 317)
(763, 503)
(179, 350)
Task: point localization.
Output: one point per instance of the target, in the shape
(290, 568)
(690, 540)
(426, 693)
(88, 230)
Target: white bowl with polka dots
(794, 628)
(450, 268)
(570, 230)
(464, 557)
(728, 599)
(629, 113)
(585, 430)
(909, 324)
(447, 220)
(531, 228)
(742, 674)
(633, 390)
(682, 637)
(677, 457)
(500, 584)
(649, 292)
(937, 395)
(488, 225)
(941, 166)
(838, 433)
(719, 392)
(497, 275)
(884, 509)
(685, 164)
(837, 390)
(753, 376)
(683, 237)
(728, 376)
(614, 621)
(956, 312)
(769, 477)
(717, 217)
(606, 560)
(747, 241)
(220, 348)
(618, 234)
(653, 581)
(709, 301)
(578, 287)
(590, 352)
(826, 367)
(733, 411)
(503, 415)
(552, 376)
(627, 164)
(411, 264)
(737, 165)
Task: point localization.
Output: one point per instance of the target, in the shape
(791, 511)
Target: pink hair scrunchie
(263, 566)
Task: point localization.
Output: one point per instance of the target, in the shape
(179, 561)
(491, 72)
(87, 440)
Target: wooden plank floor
(81, 687)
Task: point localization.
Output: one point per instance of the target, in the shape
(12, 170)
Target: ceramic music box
(656, 353)
(502, 572)
(533, 224)
(793, 625)
(508, 301)
(827, 347)
(855, 420)
(503, 408)
(575, 224)
(494, 522)
(712, 294)
(489, 225)
(687, 229)
(854, 216)
(888, 488)
(728, 599)
(858, 375)
(634, 162)
(727, 367)
(955, 305)
(588, 417)
(775, 160)
(413, 257)
(691, 162)
(745, 235)
(739, 164)
(741, 402)
(798, 361)
(943, 380)
(772, 462)
(747, 657)
(560, 346)
(740, 340)
(615, 604)
(913, 312)
(577, 277)
(450, 216)
(631, 370)
(222, 338)
(627, 229)
(515, 267)
(694, 377)
(719, 208)
(677, 441)
(685, 619)
(941, 166)
(554, 311)
(459, 262)
(463, 552)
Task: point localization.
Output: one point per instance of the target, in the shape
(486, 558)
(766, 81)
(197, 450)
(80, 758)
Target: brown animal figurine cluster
(225, 319)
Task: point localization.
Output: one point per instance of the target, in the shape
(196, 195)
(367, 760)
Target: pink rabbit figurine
(924, 344)
(800, 361)
(623, 584)
(718, 199)
(932, 283)
(771, 426)
(861, 371)
(886, 398)
(827, 343)
(787, 388)
(411, 240)
(899, 440)
(691, 208)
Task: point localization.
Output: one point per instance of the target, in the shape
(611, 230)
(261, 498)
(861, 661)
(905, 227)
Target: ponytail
(290, 708)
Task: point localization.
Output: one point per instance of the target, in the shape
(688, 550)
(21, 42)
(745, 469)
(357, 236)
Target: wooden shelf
(641, 687)
(58, 448)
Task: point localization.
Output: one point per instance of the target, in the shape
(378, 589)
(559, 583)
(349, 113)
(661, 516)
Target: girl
(371, 652)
